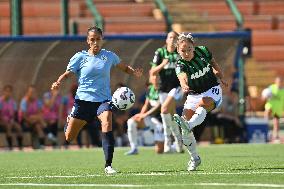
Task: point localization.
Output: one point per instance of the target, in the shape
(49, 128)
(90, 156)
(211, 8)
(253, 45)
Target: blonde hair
(184, 37)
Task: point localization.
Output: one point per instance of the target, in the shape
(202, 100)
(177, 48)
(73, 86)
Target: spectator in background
(30, 115)
(148, 117)
(163, 65)
(52, 113)
(274, 106)
(227, 117)
(8, 116)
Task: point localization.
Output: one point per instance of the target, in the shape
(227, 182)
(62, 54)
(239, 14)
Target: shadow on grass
(165, 171)
(260, 168)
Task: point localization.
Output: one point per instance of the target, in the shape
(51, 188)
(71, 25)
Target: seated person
(30, 115)
(52, 113)
(8, 121)
(147, 118)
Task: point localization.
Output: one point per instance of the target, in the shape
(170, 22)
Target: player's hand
(137, 117)
(165, 61)
(185, 88)
(55, 85)
(138, 72)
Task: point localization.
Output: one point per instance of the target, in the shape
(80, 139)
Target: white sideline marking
(145, 174)
(140, 185)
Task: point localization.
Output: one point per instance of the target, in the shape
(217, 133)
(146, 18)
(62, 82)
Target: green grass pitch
(223, 166)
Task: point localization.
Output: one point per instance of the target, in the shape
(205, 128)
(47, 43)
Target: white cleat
(193, 164)
(110, 171)
(181, 123)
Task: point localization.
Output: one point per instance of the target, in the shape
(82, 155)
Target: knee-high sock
(198, 117)
(132, 133)
(177, 135)
(108, 147)
(190, 143)
(167, 121)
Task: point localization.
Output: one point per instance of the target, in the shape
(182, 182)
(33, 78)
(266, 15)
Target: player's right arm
(182, 77)
(158, 62)
(138, 117)
(145, 106)
(62, 77)
(73, 67)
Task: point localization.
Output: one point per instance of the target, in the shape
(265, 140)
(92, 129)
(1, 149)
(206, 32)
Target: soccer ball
(123, 98)
(266, 93)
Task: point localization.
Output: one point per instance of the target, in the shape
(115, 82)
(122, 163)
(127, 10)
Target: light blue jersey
(93, 74)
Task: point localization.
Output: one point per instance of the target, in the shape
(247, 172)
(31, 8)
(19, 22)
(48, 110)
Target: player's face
(31, 93)
(186, 50)
(171, 39)
(7, 92)
(279, 82)
(95, 41)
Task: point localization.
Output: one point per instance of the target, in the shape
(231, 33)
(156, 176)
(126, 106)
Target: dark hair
(8, 87)
(95, 29)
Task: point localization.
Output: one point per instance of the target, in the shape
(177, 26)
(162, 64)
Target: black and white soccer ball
(123, 98)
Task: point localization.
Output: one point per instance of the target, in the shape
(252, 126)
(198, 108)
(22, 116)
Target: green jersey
(168, 78)
(198, 70)
(276, 102)
(153, 95)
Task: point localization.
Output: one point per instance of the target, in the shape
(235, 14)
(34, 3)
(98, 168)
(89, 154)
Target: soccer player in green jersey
(275, 106)
(163, 65)
(198, 74)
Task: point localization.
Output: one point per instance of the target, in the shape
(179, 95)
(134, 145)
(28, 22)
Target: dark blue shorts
(87, 111)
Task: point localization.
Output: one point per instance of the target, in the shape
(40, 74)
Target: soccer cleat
(132, 152)
(193, 164)
(110, 171)
(181, 123)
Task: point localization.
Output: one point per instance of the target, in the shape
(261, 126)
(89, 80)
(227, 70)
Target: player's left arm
(145, 106)
(130, 70)
(218, 72)
(152, 110)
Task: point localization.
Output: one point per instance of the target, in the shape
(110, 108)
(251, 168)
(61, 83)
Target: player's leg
(132, 136)
(104, 115)
(73, 128)
(78, 118)
(174, 95)
(275, 131)
(190, 142)
(166, 121)
(208, 101)
(168, 109)
(158, 135)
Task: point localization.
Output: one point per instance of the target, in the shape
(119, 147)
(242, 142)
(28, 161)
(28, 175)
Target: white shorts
(176, 93)
(153, 123)
(215, 93)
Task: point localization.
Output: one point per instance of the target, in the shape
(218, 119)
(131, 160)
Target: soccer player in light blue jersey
(93, 95)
